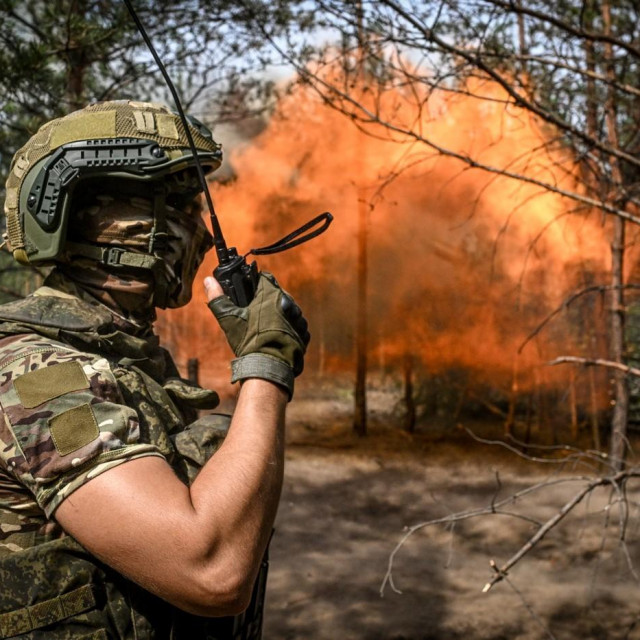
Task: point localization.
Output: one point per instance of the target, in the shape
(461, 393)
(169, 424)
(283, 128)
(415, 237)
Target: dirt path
(342, 514)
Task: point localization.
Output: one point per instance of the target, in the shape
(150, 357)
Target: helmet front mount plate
(91, 158)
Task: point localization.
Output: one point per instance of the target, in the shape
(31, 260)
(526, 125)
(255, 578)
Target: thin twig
(530, 609)
(576, 455)
(567, 302)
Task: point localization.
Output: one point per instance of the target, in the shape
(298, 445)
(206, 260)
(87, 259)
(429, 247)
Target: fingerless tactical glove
(269, 337)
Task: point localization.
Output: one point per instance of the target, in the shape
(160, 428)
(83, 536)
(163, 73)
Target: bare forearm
(239, 488)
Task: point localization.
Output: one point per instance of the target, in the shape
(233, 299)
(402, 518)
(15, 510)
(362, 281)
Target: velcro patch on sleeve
(45, 384)
(73, 429)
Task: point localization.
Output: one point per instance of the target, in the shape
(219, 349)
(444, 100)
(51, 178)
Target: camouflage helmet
(126, 140)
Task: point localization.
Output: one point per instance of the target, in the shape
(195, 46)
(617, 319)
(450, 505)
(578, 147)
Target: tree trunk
(77, 60)
(522, 44)
(360, 396)
(193, 370)
(322, 348)
(591, 95)
(617, 448)
(595, 427)
(621, 387)
(513, 400)
(573, 405)
(360, 409)
(592, 132)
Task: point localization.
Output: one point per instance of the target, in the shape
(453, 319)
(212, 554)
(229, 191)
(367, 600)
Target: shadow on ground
(343, 512)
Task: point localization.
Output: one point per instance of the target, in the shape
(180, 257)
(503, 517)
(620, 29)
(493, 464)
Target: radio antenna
(219, 242)
(237, 278)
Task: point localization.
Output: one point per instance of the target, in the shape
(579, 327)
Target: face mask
(128, 222)
(189, 241)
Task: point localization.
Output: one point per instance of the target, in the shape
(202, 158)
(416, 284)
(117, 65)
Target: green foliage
(58, 56)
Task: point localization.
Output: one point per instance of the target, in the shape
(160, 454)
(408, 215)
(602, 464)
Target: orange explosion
(463, 264)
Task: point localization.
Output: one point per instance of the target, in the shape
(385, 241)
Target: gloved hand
(269, 337)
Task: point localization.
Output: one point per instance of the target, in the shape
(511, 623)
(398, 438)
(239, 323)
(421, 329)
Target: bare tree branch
(566, 303)
(600, 362)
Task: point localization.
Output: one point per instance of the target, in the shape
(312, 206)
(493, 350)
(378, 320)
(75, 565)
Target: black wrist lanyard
(295, 238)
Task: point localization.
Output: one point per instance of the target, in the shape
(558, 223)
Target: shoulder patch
(51, 382)
(73, 429)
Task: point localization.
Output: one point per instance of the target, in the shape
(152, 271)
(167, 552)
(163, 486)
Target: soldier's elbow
(220, 593)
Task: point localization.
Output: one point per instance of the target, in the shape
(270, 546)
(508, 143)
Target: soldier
(170, 544)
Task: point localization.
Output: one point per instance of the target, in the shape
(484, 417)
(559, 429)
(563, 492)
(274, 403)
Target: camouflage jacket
(78, 397)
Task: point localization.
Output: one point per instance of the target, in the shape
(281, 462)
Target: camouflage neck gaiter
(188, 242)
(127, 222)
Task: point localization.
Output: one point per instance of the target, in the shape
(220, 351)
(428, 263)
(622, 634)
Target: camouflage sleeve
(63, 420)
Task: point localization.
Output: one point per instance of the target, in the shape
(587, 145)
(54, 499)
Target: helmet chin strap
(112, 256)
(158, 244)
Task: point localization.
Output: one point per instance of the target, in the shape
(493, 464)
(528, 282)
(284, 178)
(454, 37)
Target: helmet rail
(134, 158)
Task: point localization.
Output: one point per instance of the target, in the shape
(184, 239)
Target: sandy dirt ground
(345, 506)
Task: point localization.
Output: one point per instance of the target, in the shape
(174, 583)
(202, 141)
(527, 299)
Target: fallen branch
(551, 523)
(496, 508)
(616, 481)
(501, 572)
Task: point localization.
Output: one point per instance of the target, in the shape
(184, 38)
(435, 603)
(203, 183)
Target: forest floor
(347, 501)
